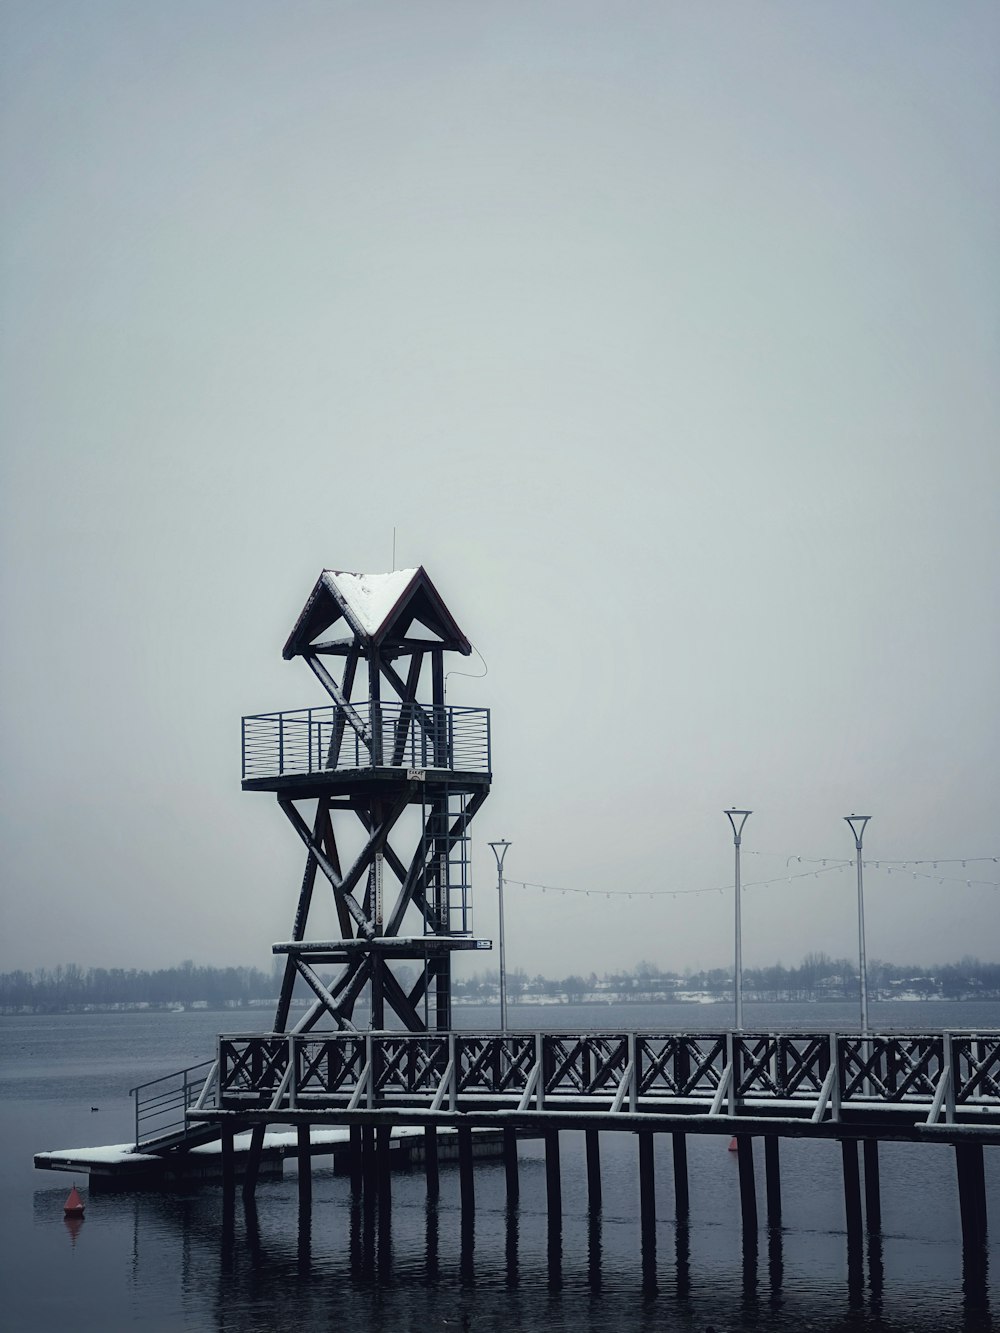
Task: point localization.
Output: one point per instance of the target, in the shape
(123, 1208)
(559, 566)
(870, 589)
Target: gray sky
(667, 337)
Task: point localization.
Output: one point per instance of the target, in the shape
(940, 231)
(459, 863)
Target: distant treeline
(818, 977)
(69, 988)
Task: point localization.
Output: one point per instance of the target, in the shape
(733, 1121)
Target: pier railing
(366, 735)
(161, 1105)
(938, 1076)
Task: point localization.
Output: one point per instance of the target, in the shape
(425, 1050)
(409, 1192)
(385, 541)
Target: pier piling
(971, 1194)
(681, 1197)
(873, 1188)
(647, 1181)
(748, 1186)
(772, 1179)
(228, 1161)
(431, 1162)
(304, 1162)
(553, 1179)
(355, 1159)
(466, 1179)
(852, 1188)
(510, 1165)
(593, 1139)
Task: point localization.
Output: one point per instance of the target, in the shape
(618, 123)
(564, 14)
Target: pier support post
(228, 1161)
(971, 1194)
(369, 1171)
(553, 1180)
(873, 1188)
(852, 1187)
(510, 1165)
(594, 1197)
(383, 1141)
(647, 1180)
(647, 1209)
(772, 1179)
(355, 1160)
(304, 1160)
(431, 1161)
(466, 1180)
(253, 1162)
(681, 1197)
(748, 1186)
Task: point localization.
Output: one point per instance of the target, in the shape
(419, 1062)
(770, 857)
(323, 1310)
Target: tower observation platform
(380, 784)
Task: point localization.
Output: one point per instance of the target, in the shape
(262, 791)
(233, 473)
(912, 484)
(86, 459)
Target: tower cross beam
(340, 698)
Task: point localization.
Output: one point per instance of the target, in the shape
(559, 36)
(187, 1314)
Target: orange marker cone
(73, 1207)
(733, 1146)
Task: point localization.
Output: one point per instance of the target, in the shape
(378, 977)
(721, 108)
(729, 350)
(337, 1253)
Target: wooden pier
(931, 1088)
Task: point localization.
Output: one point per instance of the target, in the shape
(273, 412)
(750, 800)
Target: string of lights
(886, 861)
(827, 865)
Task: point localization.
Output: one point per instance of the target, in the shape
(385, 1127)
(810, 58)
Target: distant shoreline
(262, 1007)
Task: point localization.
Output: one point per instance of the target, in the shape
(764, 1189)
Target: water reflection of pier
(670, 1265)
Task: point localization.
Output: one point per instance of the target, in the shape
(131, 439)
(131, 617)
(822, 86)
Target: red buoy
(733, 1146)
(73, 1207)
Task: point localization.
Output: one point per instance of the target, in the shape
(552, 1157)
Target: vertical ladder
(447, 860)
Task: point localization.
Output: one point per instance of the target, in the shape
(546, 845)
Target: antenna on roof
(394, 546)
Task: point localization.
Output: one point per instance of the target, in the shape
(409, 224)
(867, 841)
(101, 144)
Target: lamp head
(737, 819)
(857, 823)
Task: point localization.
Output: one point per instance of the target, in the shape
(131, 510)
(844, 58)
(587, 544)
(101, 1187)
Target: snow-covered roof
(373, 605)
(371, 597)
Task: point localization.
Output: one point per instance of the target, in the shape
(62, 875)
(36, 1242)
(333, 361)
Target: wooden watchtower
(377, 762)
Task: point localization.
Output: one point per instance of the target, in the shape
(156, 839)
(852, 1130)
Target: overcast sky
(666, 335)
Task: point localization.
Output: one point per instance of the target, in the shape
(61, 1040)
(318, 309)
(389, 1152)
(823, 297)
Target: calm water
(165, 1262)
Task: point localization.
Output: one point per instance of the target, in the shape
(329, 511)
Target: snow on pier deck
(119, 1166)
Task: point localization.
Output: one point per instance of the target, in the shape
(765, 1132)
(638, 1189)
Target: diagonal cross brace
(344, 885)
(340, 699)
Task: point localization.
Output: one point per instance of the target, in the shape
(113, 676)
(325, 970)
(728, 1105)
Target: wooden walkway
(923, 1088)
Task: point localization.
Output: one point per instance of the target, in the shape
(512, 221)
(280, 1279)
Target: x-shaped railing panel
(252, 1064)
(409, 1064)
(977, 1068)
(327, 1064)
(494, 1065)
(585, 1065)
(890, 1069)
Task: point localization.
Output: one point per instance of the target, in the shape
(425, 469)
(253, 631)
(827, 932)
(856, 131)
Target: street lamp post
(857, 824)
(500, 851)
(737, 819)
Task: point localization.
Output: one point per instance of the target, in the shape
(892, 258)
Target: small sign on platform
(416, 775)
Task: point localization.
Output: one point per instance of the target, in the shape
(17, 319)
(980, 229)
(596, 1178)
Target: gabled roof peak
(373, 605)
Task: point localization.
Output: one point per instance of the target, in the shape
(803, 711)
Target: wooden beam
(400, 1002)
(339, 698)
(365, 927)
(329, 842)
(298, 930)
